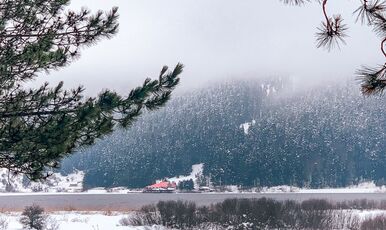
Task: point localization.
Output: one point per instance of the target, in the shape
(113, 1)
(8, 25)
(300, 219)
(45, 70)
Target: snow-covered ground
(77, 221)
(101, 221)
(55, 183)
(364, 187)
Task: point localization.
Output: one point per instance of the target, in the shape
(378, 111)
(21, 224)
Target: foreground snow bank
(110, 221)
(78, 221)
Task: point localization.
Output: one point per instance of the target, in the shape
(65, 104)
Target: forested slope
(323, 136)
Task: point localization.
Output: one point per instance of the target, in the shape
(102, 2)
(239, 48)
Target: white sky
(216, 39)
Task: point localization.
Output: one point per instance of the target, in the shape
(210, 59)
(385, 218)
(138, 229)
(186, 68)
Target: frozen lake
(132, 201)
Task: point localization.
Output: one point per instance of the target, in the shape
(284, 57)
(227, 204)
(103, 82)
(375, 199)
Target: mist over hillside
(248, 132)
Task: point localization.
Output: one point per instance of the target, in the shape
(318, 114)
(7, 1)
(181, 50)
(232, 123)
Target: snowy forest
(249, 133)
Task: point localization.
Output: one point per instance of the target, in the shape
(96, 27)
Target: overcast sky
(216, 39)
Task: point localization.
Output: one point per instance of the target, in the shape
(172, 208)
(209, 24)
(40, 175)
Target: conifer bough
(38, 127)
(332, 32)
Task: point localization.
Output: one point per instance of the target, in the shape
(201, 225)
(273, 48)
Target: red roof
(163, 184)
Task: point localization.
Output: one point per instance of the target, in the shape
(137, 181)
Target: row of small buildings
(161, 187)
(170, 187)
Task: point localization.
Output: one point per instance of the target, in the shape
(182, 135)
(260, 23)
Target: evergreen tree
(38, 127)
(33, 217)
(187, 185)
(333, 31)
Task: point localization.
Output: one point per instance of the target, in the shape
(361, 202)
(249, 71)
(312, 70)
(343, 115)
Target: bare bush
(316, 214)
(141, 219)
(316, 204)
(377, 223)
(126, 221)
(4, 223)
(316, 219)
(177, 214)
(256, 214)
(361, 204)
(345, 219)
(291, 211)
(354, 223)
(147, 216)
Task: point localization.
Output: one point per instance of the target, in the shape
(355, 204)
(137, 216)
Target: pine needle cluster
(332, 33)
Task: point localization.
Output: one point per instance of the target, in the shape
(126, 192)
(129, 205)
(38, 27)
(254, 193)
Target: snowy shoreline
(274, 190)
(72, 184)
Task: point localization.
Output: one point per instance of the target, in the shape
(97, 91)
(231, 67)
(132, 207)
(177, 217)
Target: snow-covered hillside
(55, 183)
(314, 138)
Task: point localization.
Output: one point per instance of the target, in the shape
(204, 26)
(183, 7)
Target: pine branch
(332, 32)
(295, 2)
(373, 80)
(44, 39)
(40, 127)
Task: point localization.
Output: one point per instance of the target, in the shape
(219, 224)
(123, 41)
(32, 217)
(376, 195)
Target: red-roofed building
(163, 186)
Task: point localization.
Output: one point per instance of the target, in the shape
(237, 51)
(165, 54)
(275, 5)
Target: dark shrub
(33, 217)
(316, 204)
(177, 214)
(291, 213)
(261, 213)
(361, 204)
(258, 212)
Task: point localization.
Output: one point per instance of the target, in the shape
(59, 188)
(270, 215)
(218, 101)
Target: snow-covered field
(101, 221)
(55, 183)
(76, 221)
